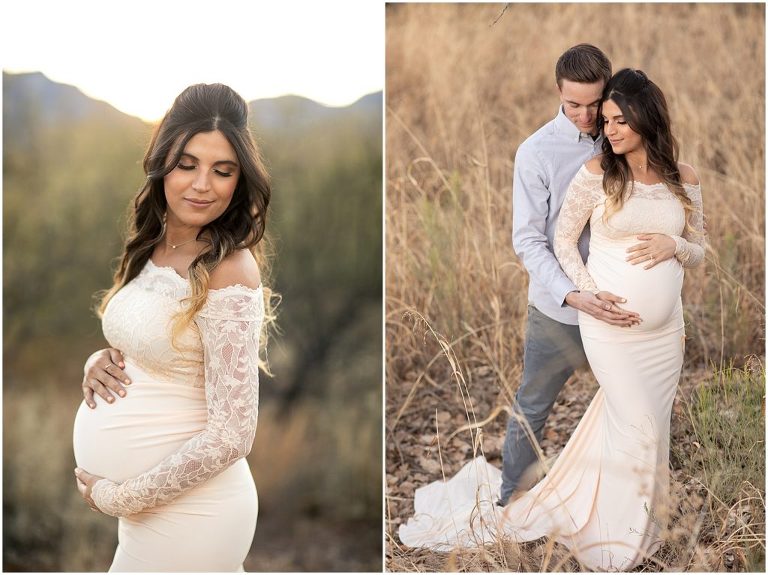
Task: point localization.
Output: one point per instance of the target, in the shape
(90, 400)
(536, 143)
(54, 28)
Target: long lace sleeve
(584, 193)
(689, 248)
(229, 325)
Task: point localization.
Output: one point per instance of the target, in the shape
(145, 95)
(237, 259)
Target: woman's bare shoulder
(593, 166)
(238, 268)
(688, 174)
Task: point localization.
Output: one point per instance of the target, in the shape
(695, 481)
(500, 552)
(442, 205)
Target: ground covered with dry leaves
(707, 533)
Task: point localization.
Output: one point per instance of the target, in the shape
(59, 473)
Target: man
(545, 164)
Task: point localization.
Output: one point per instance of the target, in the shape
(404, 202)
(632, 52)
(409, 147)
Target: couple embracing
(605, 219)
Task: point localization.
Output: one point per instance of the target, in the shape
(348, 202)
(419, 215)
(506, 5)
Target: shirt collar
(569, 130)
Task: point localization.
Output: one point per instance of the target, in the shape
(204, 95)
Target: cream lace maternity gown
(603, 496)
(173, 449)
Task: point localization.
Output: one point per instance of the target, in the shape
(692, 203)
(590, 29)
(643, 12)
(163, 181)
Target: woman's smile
(198, 203)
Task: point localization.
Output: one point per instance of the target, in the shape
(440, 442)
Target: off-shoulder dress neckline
(654, 185)
(170, 271)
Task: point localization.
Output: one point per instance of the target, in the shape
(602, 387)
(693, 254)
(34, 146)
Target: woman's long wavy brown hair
(645, 109)
(199, 108)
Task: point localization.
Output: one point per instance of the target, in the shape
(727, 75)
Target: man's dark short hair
(583, 63)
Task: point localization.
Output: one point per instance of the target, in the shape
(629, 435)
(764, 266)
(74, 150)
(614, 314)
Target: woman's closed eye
(187, 167)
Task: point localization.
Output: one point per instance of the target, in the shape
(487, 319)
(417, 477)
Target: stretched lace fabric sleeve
(584, 193)
(229, 325)
(689, 249)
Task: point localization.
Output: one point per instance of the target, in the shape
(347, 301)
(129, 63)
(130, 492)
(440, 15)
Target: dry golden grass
(462, 93)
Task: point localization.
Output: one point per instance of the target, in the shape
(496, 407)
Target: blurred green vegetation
(71, 167)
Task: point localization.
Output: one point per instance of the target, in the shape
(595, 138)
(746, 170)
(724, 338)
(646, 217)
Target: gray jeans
(553, 351)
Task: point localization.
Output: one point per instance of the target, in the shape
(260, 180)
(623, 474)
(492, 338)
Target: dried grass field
(465, 85)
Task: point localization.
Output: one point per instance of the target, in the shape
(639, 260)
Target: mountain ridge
(56, 100)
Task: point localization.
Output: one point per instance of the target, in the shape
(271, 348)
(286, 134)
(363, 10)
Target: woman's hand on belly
(653, 248)
(85, 483)
(103, 372)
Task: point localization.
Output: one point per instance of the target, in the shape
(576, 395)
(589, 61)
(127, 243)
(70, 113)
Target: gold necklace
(182, 244)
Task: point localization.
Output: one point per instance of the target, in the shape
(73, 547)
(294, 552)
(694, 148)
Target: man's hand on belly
(603, 306)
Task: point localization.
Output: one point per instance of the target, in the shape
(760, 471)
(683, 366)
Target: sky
(139, 55)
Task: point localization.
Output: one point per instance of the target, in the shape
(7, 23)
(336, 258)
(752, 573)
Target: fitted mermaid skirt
(605, 496)
(207, 528)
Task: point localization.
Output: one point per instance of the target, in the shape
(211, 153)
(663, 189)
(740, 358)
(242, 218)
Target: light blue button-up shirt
(545, 164)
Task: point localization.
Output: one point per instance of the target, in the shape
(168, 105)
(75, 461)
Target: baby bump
(653, 293)
(167, 538)
(130, 436)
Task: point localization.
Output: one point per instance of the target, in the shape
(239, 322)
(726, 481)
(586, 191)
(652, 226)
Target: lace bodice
(220, 352)
(137, 319)
(650, 208)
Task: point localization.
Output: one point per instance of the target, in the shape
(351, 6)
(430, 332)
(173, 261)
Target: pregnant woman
(605, 496)
(186, 311)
